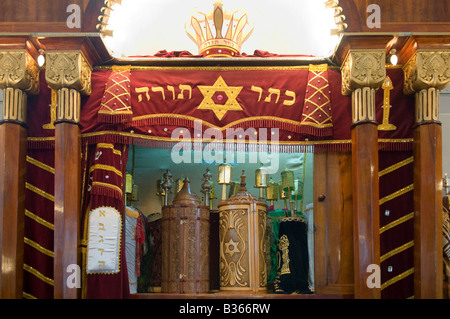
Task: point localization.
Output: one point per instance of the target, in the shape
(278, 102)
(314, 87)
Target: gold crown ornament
(235, 25)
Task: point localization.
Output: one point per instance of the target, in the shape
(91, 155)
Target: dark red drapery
(144, 105)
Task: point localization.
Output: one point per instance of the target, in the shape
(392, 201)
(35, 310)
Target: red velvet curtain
(38, 233)
(104, 169)
(396, 224)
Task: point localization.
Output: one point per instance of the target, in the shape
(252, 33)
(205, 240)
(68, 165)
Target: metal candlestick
(159, 190)
(206, 186)
(166, 186)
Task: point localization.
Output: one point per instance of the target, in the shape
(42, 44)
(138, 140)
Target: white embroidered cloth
(105, 225)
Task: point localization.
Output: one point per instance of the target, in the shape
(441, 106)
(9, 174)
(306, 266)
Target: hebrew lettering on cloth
(304, 103)
(152, 102)
(104, 232)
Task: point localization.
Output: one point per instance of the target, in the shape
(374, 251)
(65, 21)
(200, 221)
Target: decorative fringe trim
(308, 147)
(307, 129)
(106, 191)
(287, 125)
(241, 147)
(106, 138)
(114, 117)
(291, 126)
(125, 139)
(395, 146)
(333, 147)
(313, 146)
(41, 144)
(171, 120)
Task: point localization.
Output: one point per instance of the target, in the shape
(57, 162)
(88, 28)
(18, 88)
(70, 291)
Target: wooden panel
(37, 10)
(399, 16)
(67, 206)
(428, 239)
(407, 11)
(93, 48)
(185, 248)
(333, 237)
(12, 208)
(366, 221)
(367, 43)
(46, 15)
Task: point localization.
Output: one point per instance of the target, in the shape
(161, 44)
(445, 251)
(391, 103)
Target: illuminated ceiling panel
(287, 27)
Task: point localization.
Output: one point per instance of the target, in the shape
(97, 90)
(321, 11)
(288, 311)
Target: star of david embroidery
(230, 104)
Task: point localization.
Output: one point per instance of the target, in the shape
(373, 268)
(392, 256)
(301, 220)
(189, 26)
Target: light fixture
(331, 3)
(41, 58)
(104, 17)
(393, 58)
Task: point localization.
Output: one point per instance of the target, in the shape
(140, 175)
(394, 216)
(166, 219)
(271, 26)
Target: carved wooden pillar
(363, 71)
(19, 75)
(69, 73)
(426, 73)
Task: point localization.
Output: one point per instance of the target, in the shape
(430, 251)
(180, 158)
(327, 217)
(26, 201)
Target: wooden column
(362, 72)
(68, 72)
(426, 73)
(19, 74)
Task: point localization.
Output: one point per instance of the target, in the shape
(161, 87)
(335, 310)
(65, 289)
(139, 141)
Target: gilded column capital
(427, 106)
(68, 69)
(427, 69)
(14, 108)
(363, 68)
(69, 106)
(18, 70)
